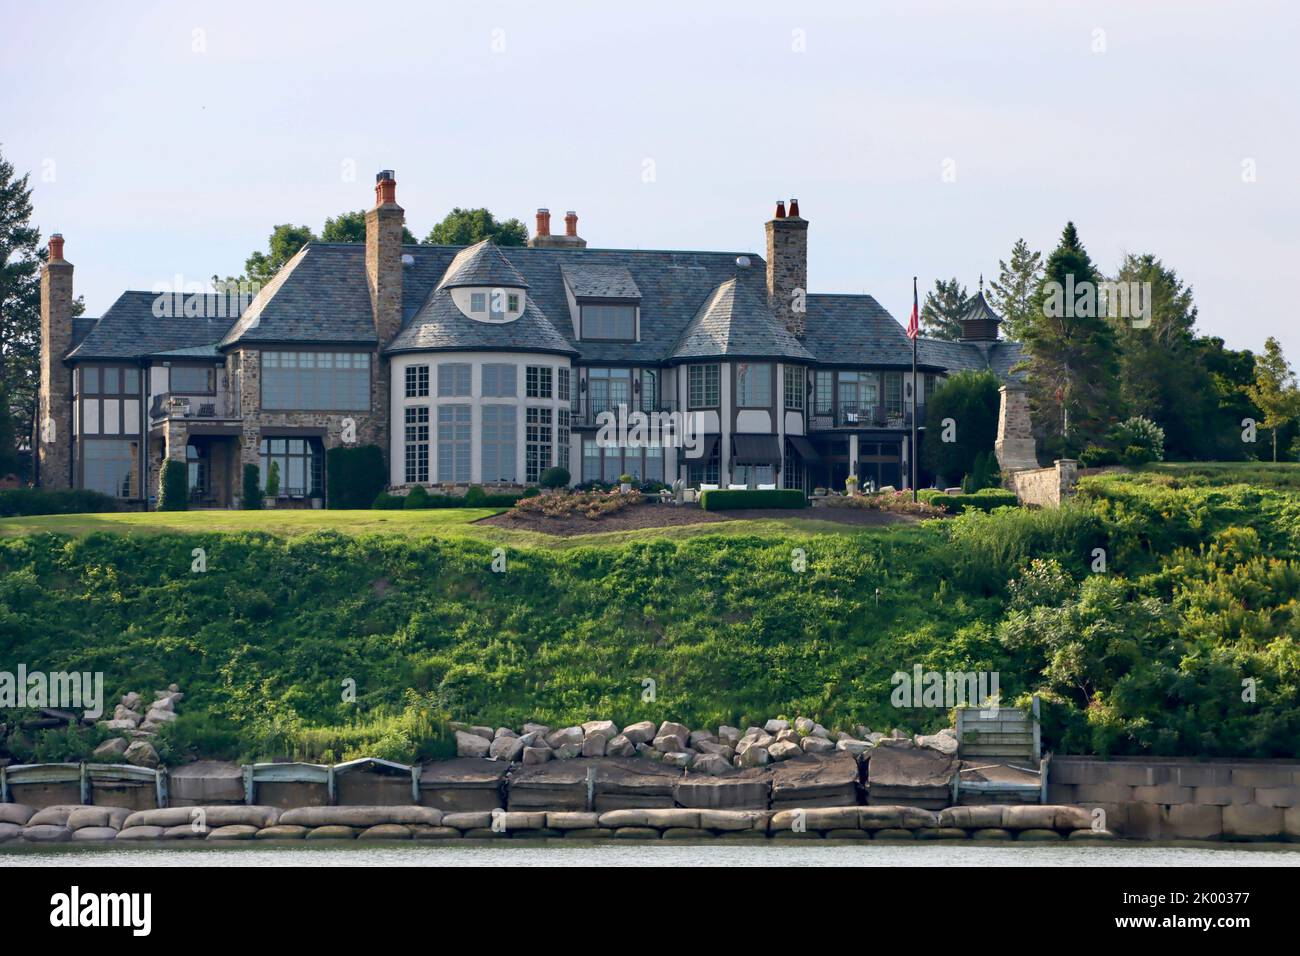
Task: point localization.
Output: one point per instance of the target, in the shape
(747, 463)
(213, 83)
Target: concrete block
(1263, 776)
(1291, 824)
(1092, 793)
(1201, 775)
(1252, 822)
(1278, 796)
(1222, 796)
(1188, 821)
(1061, 793)
(1165, 793)
(1144, 821)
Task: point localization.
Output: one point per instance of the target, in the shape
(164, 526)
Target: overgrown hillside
(1198, 595)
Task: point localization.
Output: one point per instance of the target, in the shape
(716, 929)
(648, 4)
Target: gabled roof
(735, 321)
(130, 329)
(598, 281)
(855, 330)
(482, 264)
(319, 296)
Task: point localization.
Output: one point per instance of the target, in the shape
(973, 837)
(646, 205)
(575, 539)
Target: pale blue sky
(154, 159)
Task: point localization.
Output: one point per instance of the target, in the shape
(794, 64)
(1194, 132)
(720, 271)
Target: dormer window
(478, 302)
(607, 322)
(512, 302)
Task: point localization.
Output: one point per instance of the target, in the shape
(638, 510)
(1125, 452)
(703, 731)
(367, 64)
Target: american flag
(914, 323)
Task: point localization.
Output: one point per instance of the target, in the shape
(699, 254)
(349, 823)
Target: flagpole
(913, 450)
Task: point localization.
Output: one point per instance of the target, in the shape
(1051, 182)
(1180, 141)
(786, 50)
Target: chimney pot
(56, 247)
(794, 209)
(570, 223)
(385, 187)
(780, 209)
(543, 221)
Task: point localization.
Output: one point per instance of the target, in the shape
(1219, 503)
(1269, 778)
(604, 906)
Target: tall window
(704, 470)
(649, 389)
(417, 443)
(654, 463)
(562, 384)
(453, 443)
(109, 467)
(562, 438)
(823, 394)
(478, 301)
(793, 469)
(931, 384)
(196, 465)
(753, 385)
(453, 380)
(537, 381)
(300, 461)
(794, 387)
(609, 388)
(498, 450)
(324, 381)
(609, 323)
(702, 386)
(499, 381)
(417, 381)
(537, 443)
(894, 393)
(590, 460)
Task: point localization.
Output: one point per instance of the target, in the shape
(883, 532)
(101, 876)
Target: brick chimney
(544, 240)
(787, 267)
(54, 411)
(384, 258)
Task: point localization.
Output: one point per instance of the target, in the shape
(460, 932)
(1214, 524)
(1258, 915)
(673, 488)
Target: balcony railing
(585, 411)
(853, 415)
(167, 405)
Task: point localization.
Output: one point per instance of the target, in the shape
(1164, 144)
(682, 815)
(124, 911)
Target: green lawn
(442, 523)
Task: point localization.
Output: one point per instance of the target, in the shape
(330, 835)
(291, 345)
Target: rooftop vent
(742, 262)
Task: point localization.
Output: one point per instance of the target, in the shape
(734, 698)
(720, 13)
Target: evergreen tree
(1231, 373)
(971, 400)
(944, 306)
(1012, 294)
(1274, 391)
(1072, 358)
(1162, 374)
(20, 303)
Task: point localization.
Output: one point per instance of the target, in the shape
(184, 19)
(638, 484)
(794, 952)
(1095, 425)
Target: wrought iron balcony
(853, 415)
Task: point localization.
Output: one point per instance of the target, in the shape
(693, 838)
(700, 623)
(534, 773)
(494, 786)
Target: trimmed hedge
(173, 486)
(722, 500)
(354, 477)
(252, 500)
(986, 499)
(19, 502)
(474, 497)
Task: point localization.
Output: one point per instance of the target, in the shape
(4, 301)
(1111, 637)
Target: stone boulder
(620, 746)
(605, 728)
(753, 756)
(566, 737)
(536, 755)
(471, 745)
(775, 726)
(595, 745)
(114, 747)
(945, 741)
(728, 736)
(506, 748)
(640, 733)
(900, 773)
(816, 745)
(784, 750)
(670, 729)
(672, 743)
(142, 754)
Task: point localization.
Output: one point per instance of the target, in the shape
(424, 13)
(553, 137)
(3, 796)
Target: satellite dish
(742, 262)
(408, 259)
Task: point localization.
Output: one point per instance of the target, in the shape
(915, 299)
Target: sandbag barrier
(218, 824)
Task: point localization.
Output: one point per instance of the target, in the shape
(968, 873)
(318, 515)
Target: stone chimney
(787, 267)
(384, 258)
(54, 411)
(544, 240)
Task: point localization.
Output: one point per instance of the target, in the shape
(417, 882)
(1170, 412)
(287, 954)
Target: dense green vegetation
(1199, 593)
(42, 501)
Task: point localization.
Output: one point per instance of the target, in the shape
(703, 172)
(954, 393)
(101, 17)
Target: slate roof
(482, 264)
(693, 305)
(598, 281)
(440, 325)
(735, 322)
(979, 310)
(320, 295)
(129, 329)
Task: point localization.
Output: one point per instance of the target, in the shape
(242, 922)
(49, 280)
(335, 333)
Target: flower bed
(568, 504)
(895, 502)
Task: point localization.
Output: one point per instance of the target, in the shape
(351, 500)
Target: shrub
(354, 476)
(983, 475)
(568, 504)
(273, 480)
(41, 501)
(1097, 456)
(723, 500)
(1140, 440)
(173, 486)
(986, 499)
(895, 502)
(252, 487)
(417, 497)
(475, 496)
(555, 478)
(530, 492)
(386, 502)
(971, 400)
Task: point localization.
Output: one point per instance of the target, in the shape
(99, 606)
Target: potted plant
(272, 483)
(819, 492)
(624, 483)
(851, 485)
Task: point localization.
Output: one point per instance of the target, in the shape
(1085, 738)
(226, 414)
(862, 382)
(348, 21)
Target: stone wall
(1172, 799)
(1045, 487)
(54, 413)
(1014, 446)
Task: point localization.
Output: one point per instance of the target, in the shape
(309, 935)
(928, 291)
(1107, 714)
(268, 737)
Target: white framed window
(753, 384)
(702, 386)
(454, 443)
(537, 381)
(454, 380)
(498, 443)
(499, 381)
(417, 443)
(417, 381)
(538, 442)
(478, 301)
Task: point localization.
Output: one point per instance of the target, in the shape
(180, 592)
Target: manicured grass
(451, 523)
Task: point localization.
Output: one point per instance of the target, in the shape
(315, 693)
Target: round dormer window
(490, 305)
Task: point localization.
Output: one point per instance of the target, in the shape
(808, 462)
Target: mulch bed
(664, 516)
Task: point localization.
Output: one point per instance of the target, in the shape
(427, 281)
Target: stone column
(54, 408)
(1015, 446)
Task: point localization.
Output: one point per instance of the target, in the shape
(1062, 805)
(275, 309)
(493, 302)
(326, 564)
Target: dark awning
(805, 448)
(708, 446)
(755, 450)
